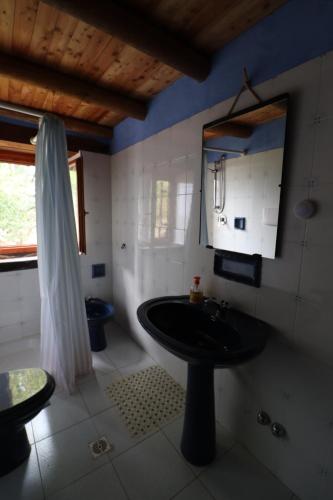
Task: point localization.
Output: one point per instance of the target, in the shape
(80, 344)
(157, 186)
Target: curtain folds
(65, 348)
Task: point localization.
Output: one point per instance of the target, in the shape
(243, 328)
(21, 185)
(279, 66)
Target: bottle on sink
(196, 294)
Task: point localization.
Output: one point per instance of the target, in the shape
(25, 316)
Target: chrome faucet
(211, 306)
(215, 310)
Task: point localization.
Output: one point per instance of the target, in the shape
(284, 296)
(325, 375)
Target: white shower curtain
(65, 349)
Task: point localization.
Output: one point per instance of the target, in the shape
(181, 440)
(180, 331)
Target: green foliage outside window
(17, 205)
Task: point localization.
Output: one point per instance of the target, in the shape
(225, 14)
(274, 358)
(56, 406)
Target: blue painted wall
(294, 34)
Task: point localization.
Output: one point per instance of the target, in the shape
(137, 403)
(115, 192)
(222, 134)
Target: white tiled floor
(61, 467)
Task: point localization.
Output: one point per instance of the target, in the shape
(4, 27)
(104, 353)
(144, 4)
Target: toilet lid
(17, 386)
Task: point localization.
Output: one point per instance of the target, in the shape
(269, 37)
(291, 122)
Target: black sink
(206, 342)
(191, 333)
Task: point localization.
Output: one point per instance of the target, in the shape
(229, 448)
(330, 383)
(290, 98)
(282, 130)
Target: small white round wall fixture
(305, 209)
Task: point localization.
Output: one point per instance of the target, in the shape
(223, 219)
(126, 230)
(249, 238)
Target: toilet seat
(21, 391)
(23, 394)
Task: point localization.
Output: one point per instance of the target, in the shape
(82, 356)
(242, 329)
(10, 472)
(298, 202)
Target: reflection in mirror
(242, 159)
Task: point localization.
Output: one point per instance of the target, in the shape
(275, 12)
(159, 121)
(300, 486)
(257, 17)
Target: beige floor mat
(147, 399)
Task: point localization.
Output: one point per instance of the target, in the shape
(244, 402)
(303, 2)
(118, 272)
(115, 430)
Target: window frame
(17, 260)
(77, 159)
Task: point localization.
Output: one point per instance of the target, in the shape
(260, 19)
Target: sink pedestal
(198, 438)
(190, 332)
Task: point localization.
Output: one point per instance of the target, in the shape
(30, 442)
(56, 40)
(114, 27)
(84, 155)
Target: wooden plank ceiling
(40, 33)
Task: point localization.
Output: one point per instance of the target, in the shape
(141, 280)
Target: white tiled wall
(292, 379)
(19, 291)
(98, 224)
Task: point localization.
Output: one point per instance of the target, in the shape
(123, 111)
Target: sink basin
(192, 334)
(206, 342)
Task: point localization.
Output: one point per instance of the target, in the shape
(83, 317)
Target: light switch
(240, 223)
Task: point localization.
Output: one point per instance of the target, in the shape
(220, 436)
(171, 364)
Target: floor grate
(99, 447)
(147, 399)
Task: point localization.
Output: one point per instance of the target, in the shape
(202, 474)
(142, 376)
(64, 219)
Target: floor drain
(99, 447)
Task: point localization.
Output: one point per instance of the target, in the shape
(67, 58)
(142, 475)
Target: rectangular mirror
(242, 160)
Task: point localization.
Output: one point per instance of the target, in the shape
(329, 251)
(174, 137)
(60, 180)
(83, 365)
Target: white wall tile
(11, 332)
(313, 327)
(193, 173)
(299, 154)
(293, 228)
(30, 308)
(148, 170)
(320, 227)
(10, 312)
(325, 105)
(177, 211)
(283, 273)
(178, 167)
(31, 327)
(316, 282)
(9, 285)
(28, 283)
(277, 308)
(322, 169)
(175, 278)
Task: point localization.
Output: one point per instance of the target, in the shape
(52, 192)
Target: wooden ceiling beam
(140, 32)
(82, 126)
(46, 77)
(228, 129)
(19, 133)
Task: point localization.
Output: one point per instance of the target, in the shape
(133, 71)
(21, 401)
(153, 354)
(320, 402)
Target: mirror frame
(225, 119)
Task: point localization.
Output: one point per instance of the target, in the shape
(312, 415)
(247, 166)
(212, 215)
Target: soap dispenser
(196, 294)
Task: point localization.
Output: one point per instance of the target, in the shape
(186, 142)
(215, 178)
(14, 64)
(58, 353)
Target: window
(18, 208)
(162, 209)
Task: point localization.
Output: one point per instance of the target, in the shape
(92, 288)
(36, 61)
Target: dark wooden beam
(7, 155)
(46, 77)
(140, 32)
(22, 134)
(228, 129)
(82, 126)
